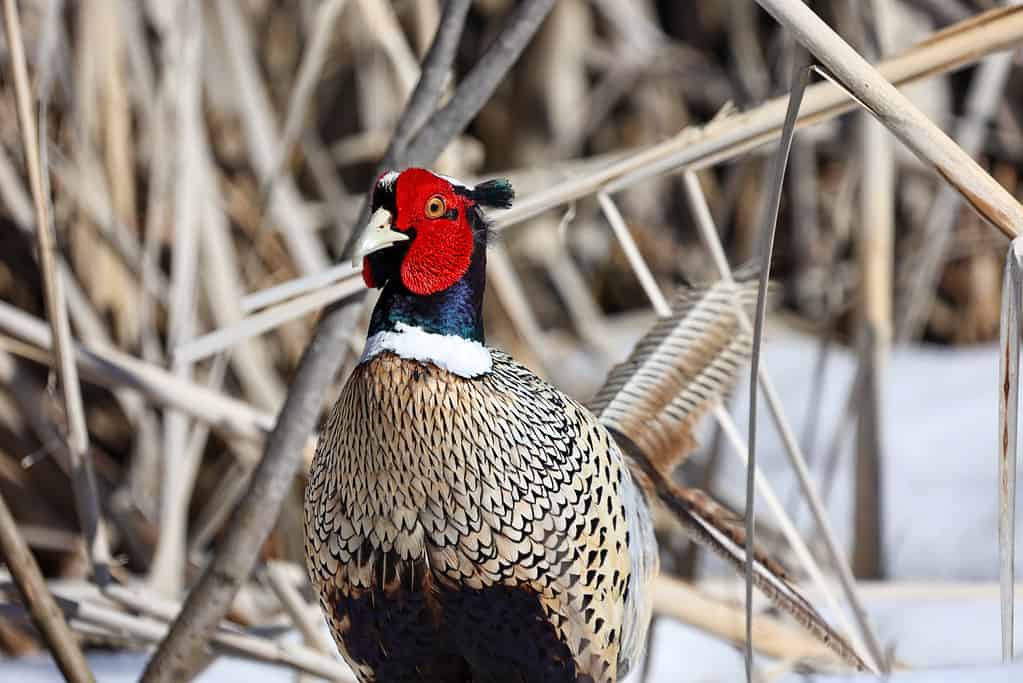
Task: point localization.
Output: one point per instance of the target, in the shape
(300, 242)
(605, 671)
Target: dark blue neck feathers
(457, 310)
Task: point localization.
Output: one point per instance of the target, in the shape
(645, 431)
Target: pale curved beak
(378, 234)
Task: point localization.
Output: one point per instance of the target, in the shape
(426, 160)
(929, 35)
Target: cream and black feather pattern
(474, 529)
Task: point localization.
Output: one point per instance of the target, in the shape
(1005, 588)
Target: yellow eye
(435, 207)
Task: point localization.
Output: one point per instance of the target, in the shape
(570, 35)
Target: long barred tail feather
(678, 370)
(651, 403)
(728, 542)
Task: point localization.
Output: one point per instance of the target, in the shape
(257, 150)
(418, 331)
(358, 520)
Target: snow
(939, 470)
(127, 668)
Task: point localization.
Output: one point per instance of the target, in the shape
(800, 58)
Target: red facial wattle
(437, 259)
(441, 251)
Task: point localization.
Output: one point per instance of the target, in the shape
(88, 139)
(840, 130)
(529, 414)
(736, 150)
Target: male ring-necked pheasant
(465, 520)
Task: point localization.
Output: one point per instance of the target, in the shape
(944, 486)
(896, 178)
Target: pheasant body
(466, 521)
(474, 529)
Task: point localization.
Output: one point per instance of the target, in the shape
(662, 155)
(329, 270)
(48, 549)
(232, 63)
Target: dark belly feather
(498, 634)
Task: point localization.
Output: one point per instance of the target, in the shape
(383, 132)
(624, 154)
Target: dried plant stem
(286, 205)
(87, 608)
(220, 275)
(787, 525)
(284, 588)
(44, 610)
(875, 241)
(226, 337)
(83, 477)
(428, 91)
(774, 638)
(1008, 435)
(479, 84)
(800, 75)
(988, 198)
(632, 255)
(113, 368)
(167, 571)
(511, 294)
(296, 287)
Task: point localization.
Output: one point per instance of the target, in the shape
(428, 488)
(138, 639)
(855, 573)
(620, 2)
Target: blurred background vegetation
(176, 192)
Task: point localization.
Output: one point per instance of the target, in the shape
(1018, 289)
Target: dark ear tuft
(495, 194)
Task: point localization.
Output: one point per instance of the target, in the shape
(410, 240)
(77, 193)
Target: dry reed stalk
(296, 221)
(223, 287)
(583, 308)
(167, 571)
(83, 477)
(479, 84)
(305, 83)
(87, 607)
(875, 243)
(800, 76)
(788, 528)
(712, 241)
(989, 199)
(508, 288)
(226, 338)
(40, 603)
(1008, 436)
(265, 298)
(93, 201)
(109, 367)
(430, 87)
(773, 638)
(298, 609)
(384, 28)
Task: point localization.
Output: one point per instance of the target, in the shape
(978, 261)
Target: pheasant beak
(378, 234)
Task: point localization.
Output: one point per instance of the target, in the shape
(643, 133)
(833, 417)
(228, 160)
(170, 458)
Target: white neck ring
(460, 356)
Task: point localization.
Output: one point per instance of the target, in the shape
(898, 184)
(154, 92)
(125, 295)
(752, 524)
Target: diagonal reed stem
(989, 199)
(40, 603)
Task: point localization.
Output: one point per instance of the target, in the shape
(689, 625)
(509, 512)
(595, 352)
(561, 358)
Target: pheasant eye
(436, 207)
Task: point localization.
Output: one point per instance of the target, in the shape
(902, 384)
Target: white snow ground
(940, 525)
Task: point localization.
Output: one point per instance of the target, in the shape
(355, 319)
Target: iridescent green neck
(455, 311)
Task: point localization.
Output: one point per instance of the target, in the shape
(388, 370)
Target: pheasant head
(425, 248)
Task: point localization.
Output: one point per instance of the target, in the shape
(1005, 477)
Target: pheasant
(465, 520)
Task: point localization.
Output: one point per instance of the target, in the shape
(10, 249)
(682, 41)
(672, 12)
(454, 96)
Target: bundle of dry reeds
(178, 179)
